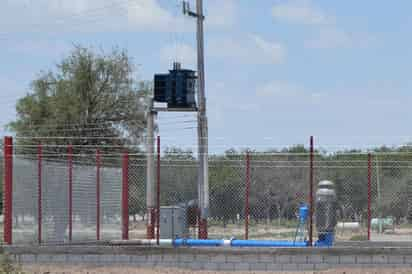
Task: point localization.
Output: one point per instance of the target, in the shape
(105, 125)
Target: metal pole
(247, 207)
(202, 130)
(378, 189)
(39, 197)
(311, 179)
(125, 197)
(369, 194)
(70, 159)
(158, 193)
(98, 195)
(150, 176)
(202, 126)
(8, 190)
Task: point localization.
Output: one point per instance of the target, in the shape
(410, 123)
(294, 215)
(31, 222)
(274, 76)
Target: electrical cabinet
(173, 222)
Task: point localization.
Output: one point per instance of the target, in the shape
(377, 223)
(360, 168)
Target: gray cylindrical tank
(326, 207)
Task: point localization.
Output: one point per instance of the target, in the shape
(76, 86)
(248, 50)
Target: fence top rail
(254, 162)
(254, 154)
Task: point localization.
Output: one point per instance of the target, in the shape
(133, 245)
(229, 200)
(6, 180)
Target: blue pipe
(237, 243)
(257, 243)
(303, 213)
(194, 242)
(325, 239)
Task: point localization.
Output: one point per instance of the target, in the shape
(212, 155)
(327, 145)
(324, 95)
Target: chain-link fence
(137, 197)
(80, 197)
(349, 173)
(59, 198)
(280, 183)
(391, 197)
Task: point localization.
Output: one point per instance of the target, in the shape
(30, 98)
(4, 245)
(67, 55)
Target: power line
(71, 137)
(74, 16)
(68, 125)
(161, 125)
(66, 130)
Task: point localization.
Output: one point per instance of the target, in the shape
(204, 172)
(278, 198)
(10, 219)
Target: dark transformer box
(177, 88)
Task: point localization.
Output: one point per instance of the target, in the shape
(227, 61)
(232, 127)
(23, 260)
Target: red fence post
(151, 223)
(203, 234)
(369, 194)
(247, 207)
(8, 190)
(39, 189)
(311, 190)
(125, 197)
(158, 193)
(70, 164)
(98, 195)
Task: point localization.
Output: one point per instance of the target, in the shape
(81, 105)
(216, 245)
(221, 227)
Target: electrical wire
(74, 16)
(71, 137)
(108, 121)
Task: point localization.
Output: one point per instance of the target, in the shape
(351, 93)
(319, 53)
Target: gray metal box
(173, 223)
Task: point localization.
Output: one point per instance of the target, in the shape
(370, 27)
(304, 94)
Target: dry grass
(126, 270)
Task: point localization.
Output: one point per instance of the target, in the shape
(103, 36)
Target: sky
(277, 71)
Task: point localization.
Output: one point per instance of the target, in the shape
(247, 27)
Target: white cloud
(279, 89)
(328, 38)
(58, 16)
(148, 14)
(272, 50)
(39, 48)
(284, 92)
(328, 34)
(86, 16)
(300, 12)
(221, 14)
(252, 50)
(182, 53)
(287, 95)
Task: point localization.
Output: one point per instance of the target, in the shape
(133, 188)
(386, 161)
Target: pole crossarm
(187, 11)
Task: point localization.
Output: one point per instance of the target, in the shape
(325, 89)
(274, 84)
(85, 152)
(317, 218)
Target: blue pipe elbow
(325, 240)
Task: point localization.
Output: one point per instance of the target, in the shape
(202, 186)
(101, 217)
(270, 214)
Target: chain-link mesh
(84, 198)
(178, 184)
(178, 181)
(349, 173)
(25, 198)
(51, 173)
(137, 197)
(390, 185)
(278, 184)
(111, 198)
(227, 187)
(54, 201)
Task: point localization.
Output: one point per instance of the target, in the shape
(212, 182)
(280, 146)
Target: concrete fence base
(282, 259)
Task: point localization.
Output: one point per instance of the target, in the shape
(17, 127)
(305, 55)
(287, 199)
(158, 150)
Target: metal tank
(326, 206)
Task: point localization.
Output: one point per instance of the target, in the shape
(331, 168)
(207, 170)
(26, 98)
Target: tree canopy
(89, 99)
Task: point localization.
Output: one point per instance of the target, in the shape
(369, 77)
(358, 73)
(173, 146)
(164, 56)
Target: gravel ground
(127, 270)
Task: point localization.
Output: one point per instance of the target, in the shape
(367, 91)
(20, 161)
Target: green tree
(90, 100)
(88, 96)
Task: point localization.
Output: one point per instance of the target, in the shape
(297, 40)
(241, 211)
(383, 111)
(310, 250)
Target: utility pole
(150, 183)
(203, 174)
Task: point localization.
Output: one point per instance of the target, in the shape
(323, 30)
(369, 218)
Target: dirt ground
(127, 270)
